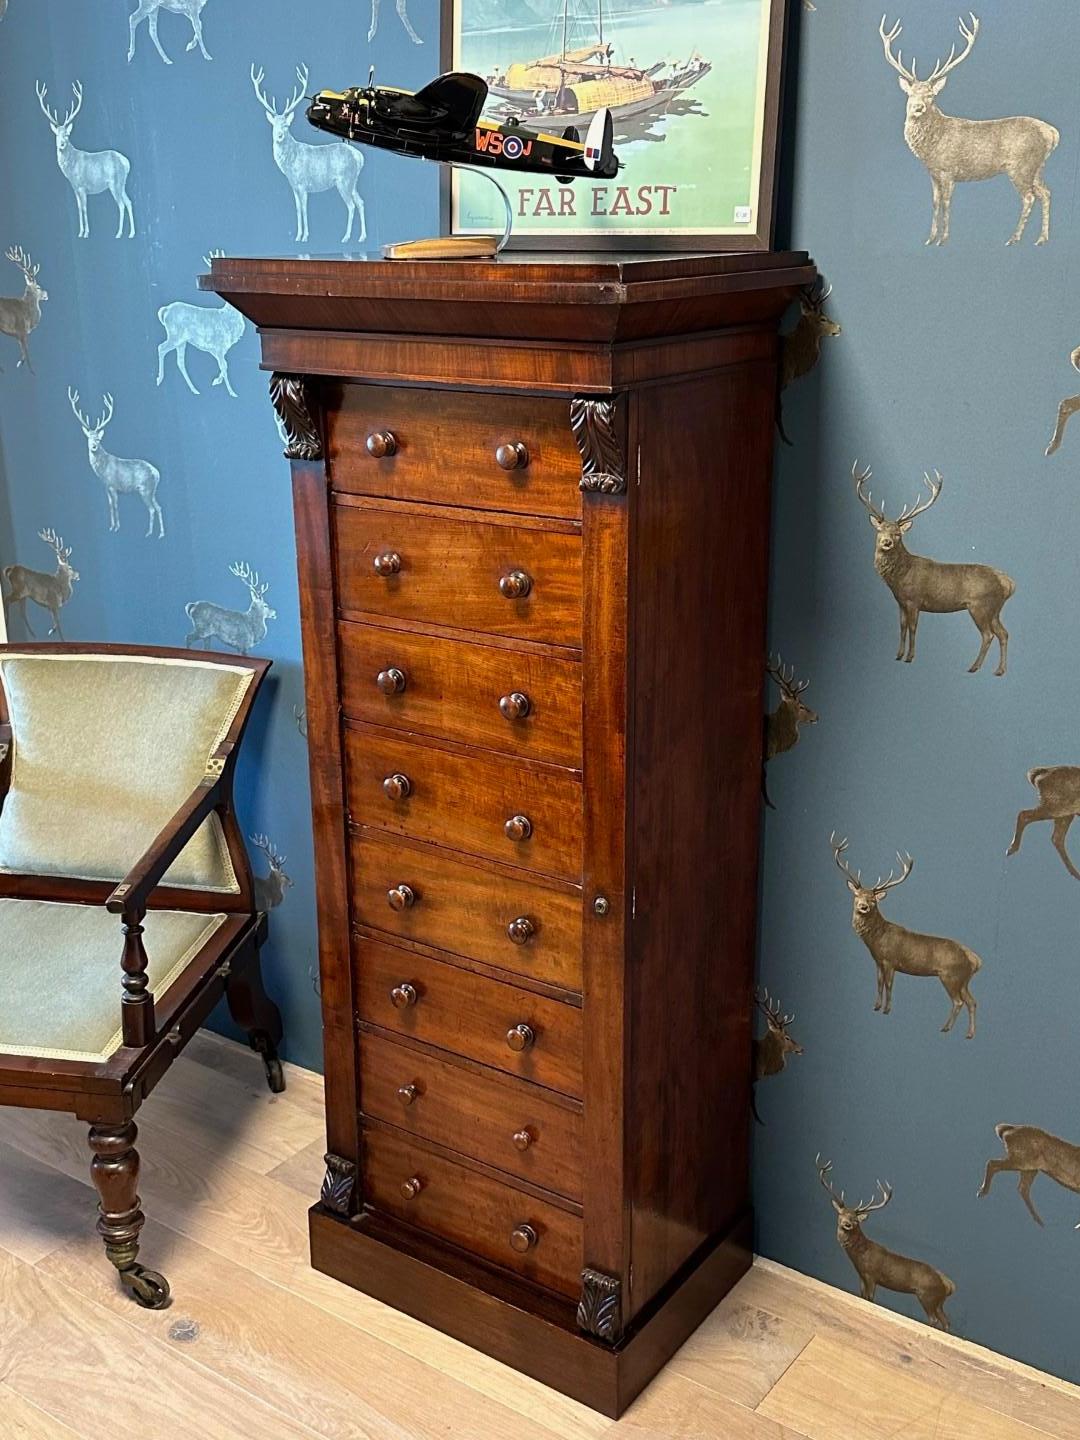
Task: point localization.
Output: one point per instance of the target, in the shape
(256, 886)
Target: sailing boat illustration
(575, 82)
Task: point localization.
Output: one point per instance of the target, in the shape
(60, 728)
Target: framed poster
(693, 87)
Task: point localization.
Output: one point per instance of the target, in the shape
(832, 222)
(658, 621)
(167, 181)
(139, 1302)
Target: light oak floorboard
(832, 1393)
(288, 1354)
(23, 1421)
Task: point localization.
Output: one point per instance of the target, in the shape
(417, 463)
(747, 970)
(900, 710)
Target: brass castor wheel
(264, 1046)
(147, 1287)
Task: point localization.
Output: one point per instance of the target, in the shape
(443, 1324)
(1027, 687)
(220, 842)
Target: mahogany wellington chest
(532, 504)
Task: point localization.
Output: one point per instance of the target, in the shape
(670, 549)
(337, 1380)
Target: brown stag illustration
(875, 1265)
(1067, 408)
(800, 348)
(895, 948)
(920, 584)
(782, 724)
(954, 149)
(1030, 1151)
(772, 1049)
(1059, 800)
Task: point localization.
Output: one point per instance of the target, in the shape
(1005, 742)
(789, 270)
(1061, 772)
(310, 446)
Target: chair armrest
(131, 895)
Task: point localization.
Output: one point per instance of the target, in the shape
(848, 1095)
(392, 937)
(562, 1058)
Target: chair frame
(107, 1094)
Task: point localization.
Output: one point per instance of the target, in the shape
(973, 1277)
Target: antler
(839, 847)
(263, 843)
(865, 1208)
(298, 93)
(18, 256)
(243, 571)
(897, 60)
(770, 1008)
(56, 541)
(824, 1168)
(860, 477)
(940, 71)
(50, 115)
(907, 864)
(73, 401)
(106, 414)
(816, 294)
(269, 105)
(785, 677)
(213, 255)
(923, 505)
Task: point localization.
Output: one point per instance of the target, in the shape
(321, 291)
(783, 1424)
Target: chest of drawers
(531, 507)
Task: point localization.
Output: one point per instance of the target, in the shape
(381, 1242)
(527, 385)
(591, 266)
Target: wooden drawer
(472, 1211)
(480, 1115)
(468, 909)
(446, 443)
(450, 572)
(453, 689)
(470, 1014)
(465, 800)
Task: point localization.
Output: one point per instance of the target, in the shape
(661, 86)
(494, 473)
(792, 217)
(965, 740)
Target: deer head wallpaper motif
(956, 357)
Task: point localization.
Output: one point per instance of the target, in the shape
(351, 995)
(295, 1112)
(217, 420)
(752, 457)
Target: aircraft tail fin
(600, 143)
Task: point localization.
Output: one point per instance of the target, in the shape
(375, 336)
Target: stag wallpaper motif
(950, 376)
(143, 498)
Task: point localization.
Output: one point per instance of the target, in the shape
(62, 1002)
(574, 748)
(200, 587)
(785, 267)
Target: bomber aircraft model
(443, 122)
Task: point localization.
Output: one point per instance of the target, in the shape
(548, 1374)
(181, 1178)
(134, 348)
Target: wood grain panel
(466, 908)
(453, 689)
(472, 1211)
(450, 571)
(463, 799)
(476, 1114)
(470, 1014)
(446, 444)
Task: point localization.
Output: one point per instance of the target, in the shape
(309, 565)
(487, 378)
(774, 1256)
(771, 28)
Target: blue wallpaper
(952, 360)
(193, 144)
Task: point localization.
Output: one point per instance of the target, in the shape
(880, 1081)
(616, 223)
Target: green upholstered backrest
(106, 748)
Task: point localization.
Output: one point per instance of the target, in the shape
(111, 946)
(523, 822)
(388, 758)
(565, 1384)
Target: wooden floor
(258, 1344)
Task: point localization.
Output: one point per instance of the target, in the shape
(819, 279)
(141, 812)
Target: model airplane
(443, 122)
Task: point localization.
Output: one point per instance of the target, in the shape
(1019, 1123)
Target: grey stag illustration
(403, 16)
(20, 314)
(241, 630)
(1030, 1152)
(800, 348)
(312, 169)
(921, 585)
(954, 149)
(896, 949)
(270, 888)
(49, 589)
(874, 1264)
(782, 724)
(214, 329)
(1058, 788)
(1067, 408)
(772, 1049)
(151, 9)
(120, 477)
(88, 172)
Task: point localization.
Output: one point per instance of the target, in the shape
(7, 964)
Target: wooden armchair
(126, 899)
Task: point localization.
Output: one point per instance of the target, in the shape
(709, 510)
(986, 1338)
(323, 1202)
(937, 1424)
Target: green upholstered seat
(106, 748)
(60, 973)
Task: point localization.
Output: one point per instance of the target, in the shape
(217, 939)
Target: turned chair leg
(253, 1010)
(115, 1172)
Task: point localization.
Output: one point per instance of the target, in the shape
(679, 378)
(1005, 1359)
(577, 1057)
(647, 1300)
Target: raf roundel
(512, 147)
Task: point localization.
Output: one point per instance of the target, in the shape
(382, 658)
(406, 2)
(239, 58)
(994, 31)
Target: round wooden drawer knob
(515, 706)
(523, 1238)
(407, 1094)
(514, 456)
(522, 1139)
(397, 786)
(391, 681)
(381, 443)
(521, 930)
(402, 996)
(521, 1037)
(515, 586)
(411, 1188)
(387, 564)
(401, 897)
(518, 827)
